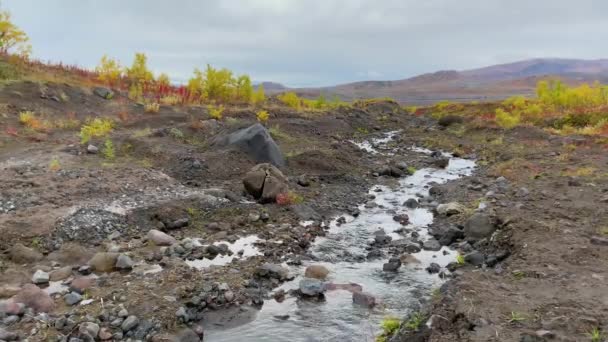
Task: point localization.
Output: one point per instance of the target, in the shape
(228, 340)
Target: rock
(142, 330)
(187, 335)
(21, 254)
(364, 299)
(449, 209)
(441, 163)
(61, 273)
(104, 93)
(305, 212)
(80, 284)
(433, 268)
(10, 307)
(411, 203)
(474, 258)
(88, 328)
(257, 143)
(129, 323)
(161, 239)
(103, 261)
(92, 149)
(391, 171)
(392, 265)
(409, 259)
(449, 120)
(34, 297)
(600, 241)
(478, 226)
(229, 296)
(123, 313)
(265, 182)
(40, 277)
(72, 298)
(6, 335)
(316, 272)
(303, 181)
(8, 290)
(105, 334)
(275, 271)
(311, 287)
(431, 245)
(447, 236)
(124, 262)
(177, 224)
(402, 218)
(182, 314)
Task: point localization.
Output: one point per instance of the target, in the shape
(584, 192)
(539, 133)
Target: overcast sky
(313, 42)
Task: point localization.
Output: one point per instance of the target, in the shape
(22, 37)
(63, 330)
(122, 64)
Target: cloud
(313, 42)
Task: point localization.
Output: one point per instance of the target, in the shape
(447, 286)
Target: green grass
(277, 133)
(389, 326)
(460, 259)
(516, 317)
(595, 335)
(415, 321)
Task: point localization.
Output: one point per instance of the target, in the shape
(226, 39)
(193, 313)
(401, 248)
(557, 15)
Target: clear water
(336, 318)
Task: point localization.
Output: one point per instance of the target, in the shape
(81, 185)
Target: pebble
(40, 277)
(129, 323)
(72, 298)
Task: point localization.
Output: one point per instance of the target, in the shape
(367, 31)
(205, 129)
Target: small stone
(123, 313)
(40, 277)
(129, 323)
(449, 209)
(6, 335)
(229, 296)
(433, 268)
(254, 217)
(545, 334)
(10, 307)
(124, 262)
(411, 203)
(311, 287)
(364, 299)
(72, 298)
(182, 314)
(431, 245)
(316, 272)
(474, 258)
(600, 241)
(160, 238)
(61, 273)
(85, 270)
(105, 334)
(88, 328)
(103, 262)
(392, 265)
(92, 149)
(21, 254)
(80, 284)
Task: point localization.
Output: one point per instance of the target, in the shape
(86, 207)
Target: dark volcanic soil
(59, 205)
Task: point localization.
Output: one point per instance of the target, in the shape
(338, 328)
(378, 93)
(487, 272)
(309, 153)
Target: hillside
(487, 83)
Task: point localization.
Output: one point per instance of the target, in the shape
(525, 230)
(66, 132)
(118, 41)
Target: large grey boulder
(265, 182)
(257, 143)
(479, 226)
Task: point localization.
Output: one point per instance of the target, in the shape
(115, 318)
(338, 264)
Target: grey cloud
(314, 42)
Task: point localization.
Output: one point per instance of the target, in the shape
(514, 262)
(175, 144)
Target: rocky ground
(100, 249)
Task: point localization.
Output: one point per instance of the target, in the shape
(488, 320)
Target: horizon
(269, 41)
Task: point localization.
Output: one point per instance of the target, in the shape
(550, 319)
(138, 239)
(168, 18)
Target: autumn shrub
(96, 128)
(108, 151)
(170, 100)
(262, 116)
(291, 99)
(152, 107)
(29, 120)
(289, 198)
(216, 112)
(505, 119)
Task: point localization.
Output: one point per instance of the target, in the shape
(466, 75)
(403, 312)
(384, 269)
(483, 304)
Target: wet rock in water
(409, 259)
(478, 226)
(124, 262)
(449, 209)
(275, 271)
(129, 323)
(256, 142)
(21, 254)
(431, 245)
(160, 239)
(402, 219)
(411, 203)
(447, 235)
(103, 262)
(350, 287)
(311, 287)
(474, 258)
(441, 163)
(60, 273)
(265, 182)
(381, 238)
(34, 297)
(364, 299)
(392, 265)
(72, 298)
(40, 277)
(316, 272)
(104, 93)
(433, 268)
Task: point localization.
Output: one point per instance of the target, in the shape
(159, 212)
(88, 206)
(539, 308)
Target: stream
(342, 251)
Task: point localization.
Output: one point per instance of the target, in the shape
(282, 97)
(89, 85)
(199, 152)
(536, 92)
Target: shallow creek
(398, 294)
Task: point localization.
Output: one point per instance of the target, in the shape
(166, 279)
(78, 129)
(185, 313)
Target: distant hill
(488, 83)
(271, 86)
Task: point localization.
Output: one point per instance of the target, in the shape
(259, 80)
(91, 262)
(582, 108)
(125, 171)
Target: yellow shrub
(29, 120)
(291, 99)
(506, 120)
(152, 107)
(170, 100)
(216, 112)
(96, 128)
(262, 116)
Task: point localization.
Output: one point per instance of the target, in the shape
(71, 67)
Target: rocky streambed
(379, 262)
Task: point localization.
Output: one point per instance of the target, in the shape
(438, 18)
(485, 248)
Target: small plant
(362, 130)
(37, 242)
(144, 132)
(96, 128)
(414, 322)
(170, 100)
(216, 112)
(123, 115)
(262, 116)
(291, 99)
(289, 198)
(54, 165)
(389, 326)
(506, 120)
(152, 107)
(516, 317)
(29, 120)
(595, 335)
(519, 274)
(277, 133)
(411, 170)
(108, 150)
(460, 259)
(176, 133)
